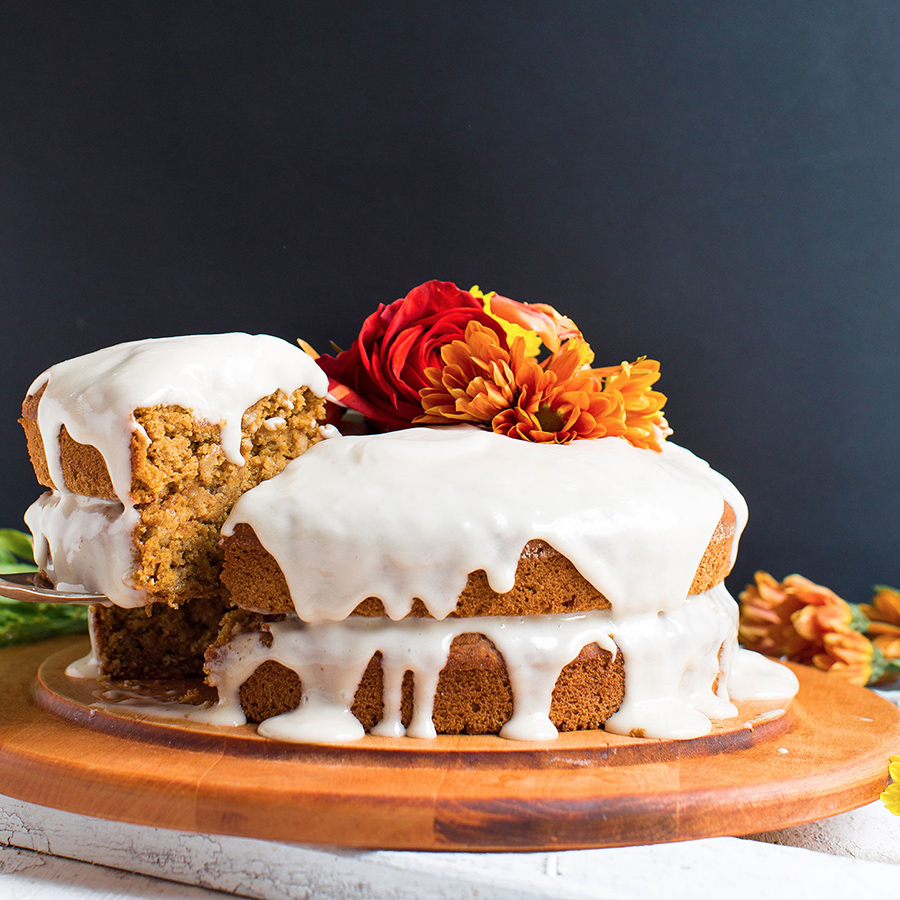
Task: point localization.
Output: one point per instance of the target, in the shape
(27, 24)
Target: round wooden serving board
(828, 754)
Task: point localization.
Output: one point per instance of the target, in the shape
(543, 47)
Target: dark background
(715, 185)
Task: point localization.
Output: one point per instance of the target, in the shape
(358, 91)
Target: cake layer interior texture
(171, 451)
(157, 641)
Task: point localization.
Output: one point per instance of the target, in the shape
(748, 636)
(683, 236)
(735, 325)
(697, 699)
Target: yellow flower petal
(533, 342)
(891, 795)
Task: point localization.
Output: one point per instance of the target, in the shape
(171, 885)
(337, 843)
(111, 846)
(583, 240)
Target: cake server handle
(32, 588)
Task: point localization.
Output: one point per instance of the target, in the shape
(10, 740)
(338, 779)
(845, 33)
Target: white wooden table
(856, 854)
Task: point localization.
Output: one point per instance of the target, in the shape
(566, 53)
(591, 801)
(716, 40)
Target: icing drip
(84, 544)
(671, 664)
(411, 513)
(671, 659)
(218, 376)
(88, 666)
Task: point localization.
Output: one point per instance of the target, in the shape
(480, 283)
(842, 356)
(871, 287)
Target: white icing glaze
(411, 513)
(88, 666)
(217, 376)
(671, 660)
(755, 677)
(85, 544)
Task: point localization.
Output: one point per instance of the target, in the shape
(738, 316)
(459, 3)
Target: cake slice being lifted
(146, 446)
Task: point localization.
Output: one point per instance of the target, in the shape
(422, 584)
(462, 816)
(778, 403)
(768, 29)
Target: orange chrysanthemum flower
(553, 411)
(823, 611)
(884, 615)
(810, 624)
(559, 400)
(645, 424)
(847, 653)
(478, 380)
(483, 382)
(766, 624)
(570, 360)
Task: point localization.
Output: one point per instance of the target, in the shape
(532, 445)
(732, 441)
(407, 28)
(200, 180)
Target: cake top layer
(217, 376)
(411, 513)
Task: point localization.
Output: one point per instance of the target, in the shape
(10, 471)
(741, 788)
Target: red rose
(381, 375)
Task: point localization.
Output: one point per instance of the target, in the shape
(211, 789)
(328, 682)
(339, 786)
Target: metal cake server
(33, 588)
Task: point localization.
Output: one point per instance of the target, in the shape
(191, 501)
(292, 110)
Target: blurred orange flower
(810, 624)
(847, 653)
(766, 624)
(823, 611)
(884, 620)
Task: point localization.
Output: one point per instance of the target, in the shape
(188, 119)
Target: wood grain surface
(828, 754)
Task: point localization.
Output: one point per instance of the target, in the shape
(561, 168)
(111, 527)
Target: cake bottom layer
(473, 693)
(155, 642)
(651, 675)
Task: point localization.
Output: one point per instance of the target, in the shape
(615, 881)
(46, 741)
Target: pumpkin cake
(519, 550)
(383, 587)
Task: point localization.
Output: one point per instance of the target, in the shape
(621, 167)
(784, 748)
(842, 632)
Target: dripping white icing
(88, 666)
(217, 376)
(84, 544)
(412, 513)
(672, 661)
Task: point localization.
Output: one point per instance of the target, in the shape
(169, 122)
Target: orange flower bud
(885, 606)
(552, 327)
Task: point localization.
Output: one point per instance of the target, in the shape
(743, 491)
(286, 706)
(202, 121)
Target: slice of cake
(391, 592)
(146, 446)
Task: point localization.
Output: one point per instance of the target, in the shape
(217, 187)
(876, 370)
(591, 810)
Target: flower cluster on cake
(442, 355)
